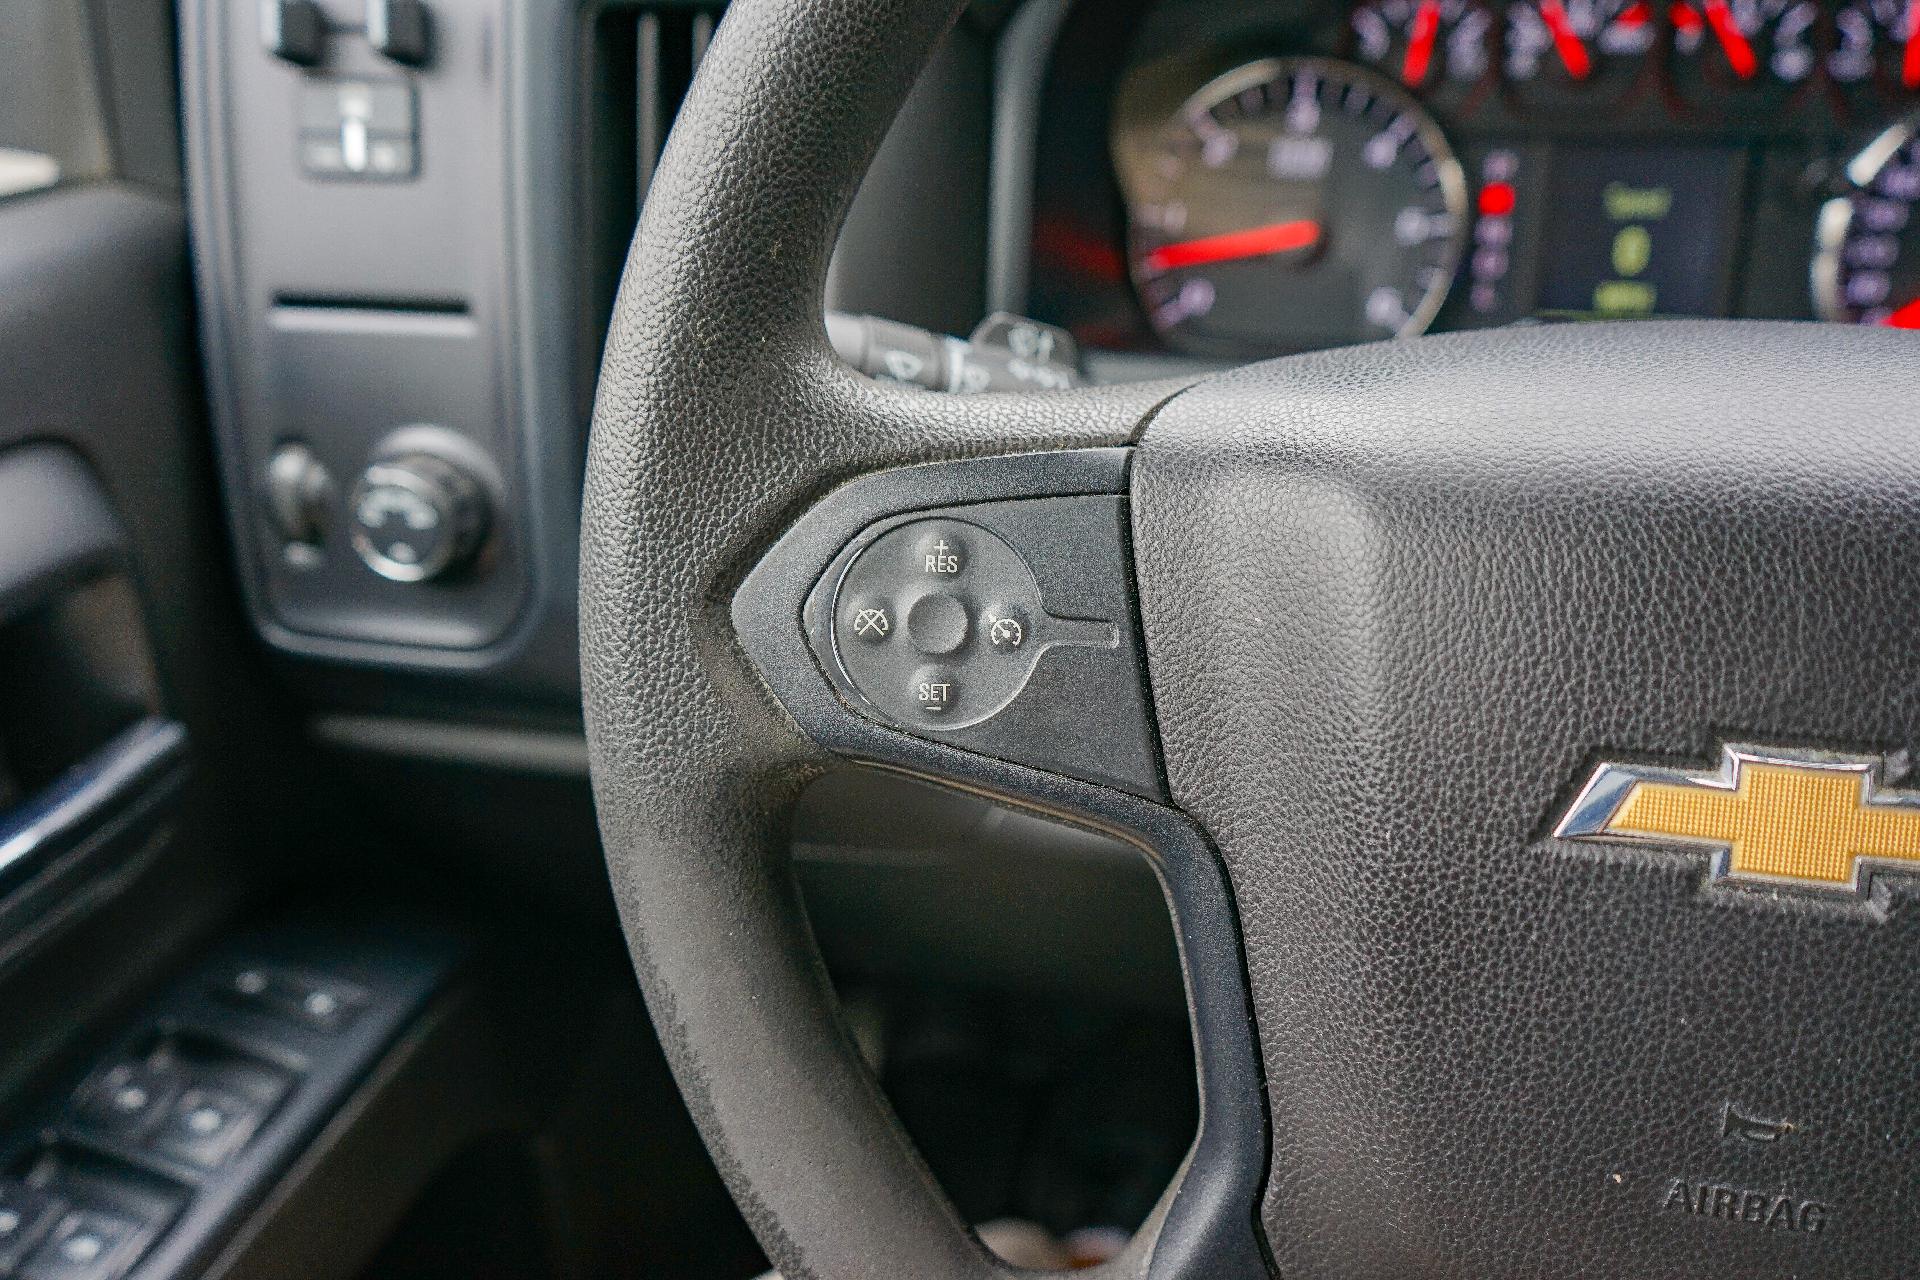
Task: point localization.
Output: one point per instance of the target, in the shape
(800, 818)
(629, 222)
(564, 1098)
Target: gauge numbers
(1425, 43)
(1578, 41)
(1748, 40)
(1876, 39)
(1293, 203)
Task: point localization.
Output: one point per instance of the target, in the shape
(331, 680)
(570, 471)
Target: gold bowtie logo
(1769, 816)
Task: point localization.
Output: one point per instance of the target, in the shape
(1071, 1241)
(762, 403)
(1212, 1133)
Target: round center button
(937, 623)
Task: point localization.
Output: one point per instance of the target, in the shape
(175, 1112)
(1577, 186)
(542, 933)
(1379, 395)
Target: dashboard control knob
(417, 516)
(299, 490)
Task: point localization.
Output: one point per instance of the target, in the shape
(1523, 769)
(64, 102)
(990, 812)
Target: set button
(935, 691)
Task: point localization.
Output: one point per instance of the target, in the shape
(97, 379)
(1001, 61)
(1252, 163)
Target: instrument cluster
(1284, 181)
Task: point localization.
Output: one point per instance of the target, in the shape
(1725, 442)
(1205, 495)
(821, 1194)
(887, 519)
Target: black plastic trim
(1020, 65)
(398, 969)
(56, 526)
(1209, 1223)
(143, 762)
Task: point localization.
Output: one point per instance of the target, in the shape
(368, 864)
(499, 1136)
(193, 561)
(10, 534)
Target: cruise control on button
(1004, 627)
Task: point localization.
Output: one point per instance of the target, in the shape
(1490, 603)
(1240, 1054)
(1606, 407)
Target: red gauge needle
(1910, 51)
(1426, 25)
(1566, 41)
(1907, 317)
(1727, 30)
(1254, 242)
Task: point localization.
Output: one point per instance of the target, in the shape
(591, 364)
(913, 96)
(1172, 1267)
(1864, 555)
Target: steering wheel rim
(725, 427)
(696, 769)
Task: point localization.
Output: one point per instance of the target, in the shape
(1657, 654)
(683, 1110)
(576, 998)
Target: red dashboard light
(1907, 317)
(1496, 200)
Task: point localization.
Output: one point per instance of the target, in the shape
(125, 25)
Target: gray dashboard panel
(337, 310)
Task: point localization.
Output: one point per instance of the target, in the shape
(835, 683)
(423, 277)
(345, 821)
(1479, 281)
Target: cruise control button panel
(970, 624)
(1003, 627)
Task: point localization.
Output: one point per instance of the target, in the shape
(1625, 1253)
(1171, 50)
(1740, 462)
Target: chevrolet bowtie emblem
(1767, 816)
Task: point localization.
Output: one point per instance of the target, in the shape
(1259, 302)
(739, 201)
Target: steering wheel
(1517, 720)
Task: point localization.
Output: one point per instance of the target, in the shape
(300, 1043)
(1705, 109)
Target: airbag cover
(1399, 601)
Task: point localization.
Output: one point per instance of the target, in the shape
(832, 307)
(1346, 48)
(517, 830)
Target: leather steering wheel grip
(721, 414)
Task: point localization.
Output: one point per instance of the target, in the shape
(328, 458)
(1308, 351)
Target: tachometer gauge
(1426, 43)
(1293, 203)
(1876, 39)
(1866, 267)
(1578, 42)
(1747, 41)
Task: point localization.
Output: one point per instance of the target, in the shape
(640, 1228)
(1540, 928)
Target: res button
(941, 552)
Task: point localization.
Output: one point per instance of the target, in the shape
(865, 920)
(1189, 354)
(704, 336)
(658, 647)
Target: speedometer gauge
(1293, 203)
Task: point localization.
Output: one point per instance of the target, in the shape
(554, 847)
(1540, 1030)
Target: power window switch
(128, 1098)
(26, 1214)
(88, 1244)
(326, 1005)
(206, 1126)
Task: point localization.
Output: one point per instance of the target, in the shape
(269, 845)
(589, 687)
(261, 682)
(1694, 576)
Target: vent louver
(668, 46)
(637, 63)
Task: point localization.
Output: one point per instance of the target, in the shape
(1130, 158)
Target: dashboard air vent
(668, 45)
(637, 62)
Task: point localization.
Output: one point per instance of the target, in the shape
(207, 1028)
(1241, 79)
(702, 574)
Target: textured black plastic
(1398, 600)
(397, 968)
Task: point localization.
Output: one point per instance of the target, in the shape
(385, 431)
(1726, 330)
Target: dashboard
(1231, 181)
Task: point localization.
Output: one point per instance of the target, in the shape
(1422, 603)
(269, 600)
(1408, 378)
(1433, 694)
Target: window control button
(327, 1005)
(89, 1244)
(206, 1126)
(26, 1213)
(128, 1098)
